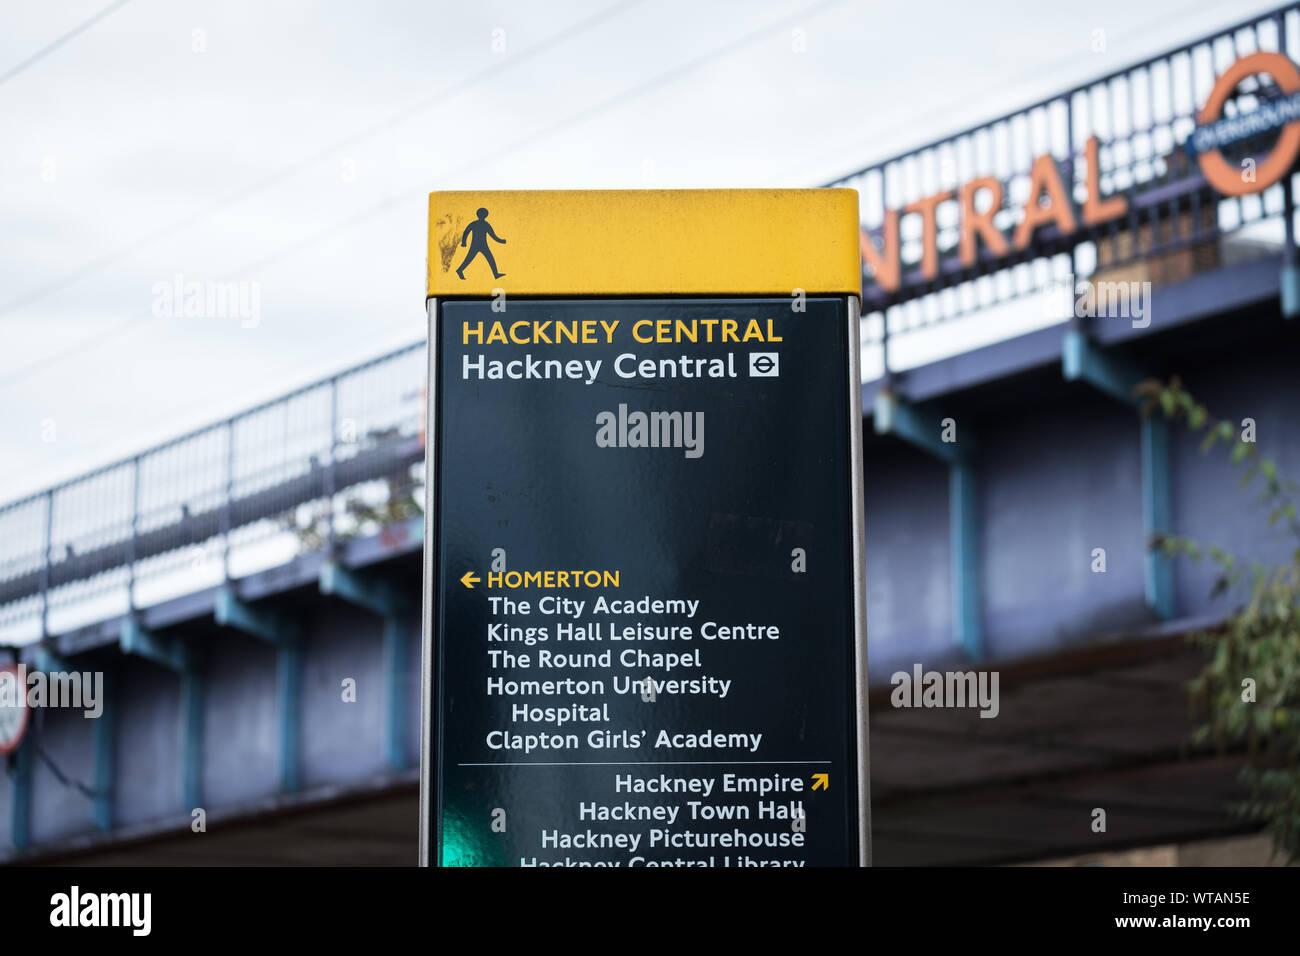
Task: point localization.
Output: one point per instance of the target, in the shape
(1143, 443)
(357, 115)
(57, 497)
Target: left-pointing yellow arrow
(469, 579)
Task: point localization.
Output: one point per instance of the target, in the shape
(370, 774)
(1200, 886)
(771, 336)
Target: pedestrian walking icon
(477, 232)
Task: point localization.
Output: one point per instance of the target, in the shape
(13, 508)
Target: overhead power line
(298, 165)
(533, 137)
(478, 162)
(51, 47)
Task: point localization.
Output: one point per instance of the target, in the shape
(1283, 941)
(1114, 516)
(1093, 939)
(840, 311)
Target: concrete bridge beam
(372, 592)
(177, 656)
(925, 427)
(285, 635)
(1114, 374)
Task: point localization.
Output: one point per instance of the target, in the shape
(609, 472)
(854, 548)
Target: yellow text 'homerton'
(601, 332)
(551, 579)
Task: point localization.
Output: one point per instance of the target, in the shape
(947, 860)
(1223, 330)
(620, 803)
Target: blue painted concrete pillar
(395, 658)
(288, 688)
(1157, 481)
(193, 687)
(1290, 290)
(104, 747)
(924, 427)
(20, 820)
(963, 511)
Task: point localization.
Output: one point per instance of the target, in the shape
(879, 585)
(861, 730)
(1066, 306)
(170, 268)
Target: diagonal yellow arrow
(469, 579)
(821, 781)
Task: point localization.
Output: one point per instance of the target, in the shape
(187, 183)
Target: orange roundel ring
(1222, 175)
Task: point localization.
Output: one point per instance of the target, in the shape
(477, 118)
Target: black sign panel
(643, 621)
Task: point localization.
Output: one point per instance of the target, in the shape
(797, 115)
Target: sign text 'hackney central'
(644, 640)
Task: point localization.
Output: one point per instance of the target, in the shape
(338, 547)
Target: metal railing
(337, 458)
(1142, 115)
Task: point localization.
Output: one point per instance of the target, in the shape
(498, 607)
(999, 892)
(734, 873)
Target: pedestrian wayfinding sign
(644, 639)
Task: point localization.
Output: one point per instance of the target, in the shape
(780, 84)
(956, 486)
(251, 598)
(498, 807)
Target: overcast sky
(292, 143)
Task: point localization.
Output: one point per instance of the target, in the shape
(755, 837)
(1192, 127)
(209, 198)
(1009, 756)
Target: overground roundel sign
(1214, 130)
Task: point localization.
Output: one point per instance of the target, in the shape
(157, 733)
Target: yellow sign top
(644, 242)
